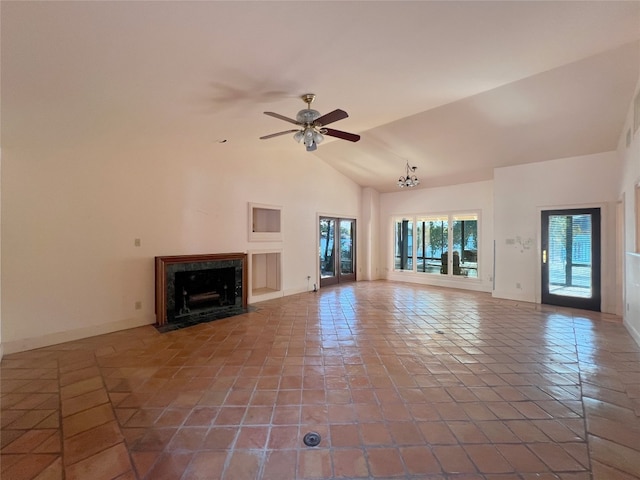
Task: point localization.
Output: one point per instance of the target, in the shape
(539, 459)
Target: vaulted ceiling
(454, 88)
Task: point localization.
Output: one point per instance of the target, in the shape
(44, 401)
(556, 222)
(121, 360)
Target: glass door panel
(327, 248)
(347, 237)
(337, 250)
(571, 258)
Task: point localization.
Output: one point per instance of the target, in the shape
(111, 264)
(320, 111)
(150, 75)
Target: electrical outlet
(138, 305)
(137, 242)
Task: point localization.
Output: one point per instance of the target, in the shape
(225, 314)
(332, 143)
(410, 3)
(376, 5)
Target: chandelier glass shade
(409, 179)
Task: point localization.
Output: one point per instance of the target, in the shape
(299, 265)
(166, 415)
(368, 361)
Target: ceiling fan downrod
(308, 98)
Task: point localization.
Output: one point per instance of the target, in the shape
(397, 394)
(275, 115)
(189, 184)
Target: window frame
(447, 218)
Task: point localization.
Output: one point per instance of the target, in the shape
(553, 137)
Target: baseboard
(522, 297)
(1, 351)
(632, 331)
(462, 283)
(295, 291)
(253, 299)
(32, 343)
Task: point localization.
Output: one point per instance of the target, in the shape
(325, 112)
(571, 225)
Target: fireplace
(192, 289)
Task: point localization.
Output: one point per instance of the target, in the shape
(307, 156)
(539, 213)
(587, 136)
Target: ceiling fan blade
(352, 137)
(282, 117)
(278, 134)
(331, 117)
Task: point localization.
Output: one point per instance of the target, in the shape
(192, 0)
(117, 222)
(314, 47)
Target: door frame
(350, 277)
(620, 264)
(597, 256)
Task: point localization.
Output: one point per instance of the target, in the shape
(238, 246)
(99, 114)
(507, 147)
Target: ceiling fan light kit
(311, 138)
(409, 179)
(312, 124)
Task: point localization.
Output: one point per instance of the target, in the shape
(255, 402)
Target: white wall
(70, 217)
(469, 197)
(630, 155)
(632, 310)
(521, 192)
(1, 345)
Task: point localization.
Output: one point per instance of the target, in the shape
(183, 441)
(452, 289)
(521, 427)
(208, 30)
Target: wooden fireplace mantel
(164, 262)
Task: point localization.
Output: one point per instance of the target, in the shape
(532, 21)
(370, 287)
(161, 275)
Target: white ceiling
(455, 88)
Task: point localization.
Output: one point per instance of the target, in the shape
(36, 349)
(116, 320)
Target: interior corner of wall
(633, 331)
(510, 295)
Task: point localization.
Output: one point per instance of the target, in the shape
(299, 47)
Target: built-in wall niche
(265, 272)
(265, 223)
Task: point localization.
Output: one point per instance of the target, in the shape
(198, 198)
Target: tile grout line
(584, 409)
(123, 441)
(61, 419)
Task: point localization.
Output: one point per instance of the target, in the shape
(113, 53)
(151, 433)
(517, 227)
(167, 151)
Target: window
(465, 245)
(436, 236)
(433, 243)
(404, 245)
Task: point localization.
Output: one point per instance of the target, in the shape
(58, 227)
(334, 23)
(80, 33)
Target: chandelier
(410, 179)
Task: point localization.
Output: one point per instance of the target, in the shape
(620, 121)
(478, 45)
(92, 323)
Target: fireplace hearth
(192, 289)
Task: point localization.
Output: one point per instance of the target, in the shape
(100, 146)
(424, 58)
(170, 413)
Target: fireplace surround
(191, 289)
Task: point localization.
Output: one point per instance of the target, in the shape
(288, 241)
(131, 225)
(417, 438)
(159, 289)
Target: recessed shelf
(266, 268)
(265, 223)
(262, 291)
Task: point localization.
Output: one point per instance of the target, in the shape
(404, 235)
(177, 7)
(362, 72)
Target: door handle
(544, 256)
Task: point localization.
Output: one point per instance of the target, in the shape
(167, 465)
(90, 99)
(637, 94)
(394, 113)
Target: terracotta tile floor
(400, 381)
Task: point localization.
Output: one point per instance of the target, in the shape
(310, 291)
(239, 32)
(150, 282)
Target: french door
(337, 250)
(571, 258)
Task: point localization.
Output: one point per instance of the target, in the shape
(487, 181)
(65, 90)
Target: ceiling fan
(312, 125)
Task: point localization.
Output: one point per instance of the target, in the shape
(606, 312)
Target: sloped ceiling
(454, 88)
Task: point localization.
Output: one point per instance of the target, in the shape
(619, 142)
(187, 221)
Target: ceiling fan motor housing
(307, 116)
